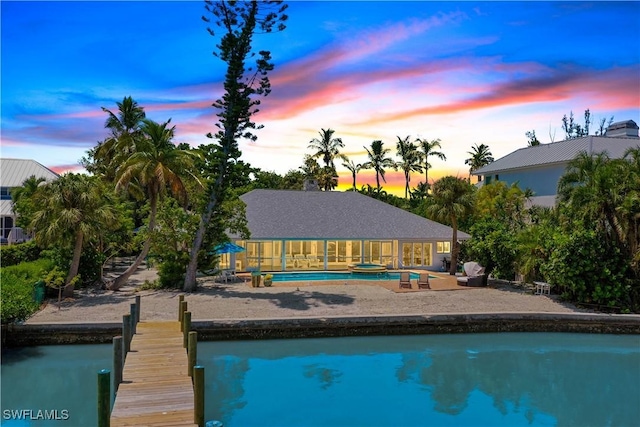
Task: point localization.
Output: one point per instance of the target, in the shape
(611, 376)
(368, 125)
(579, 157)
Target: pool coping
(23, 335)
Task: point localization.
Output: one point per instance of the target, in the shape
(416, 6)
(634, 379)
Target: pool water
(339, 275)
(509, 379)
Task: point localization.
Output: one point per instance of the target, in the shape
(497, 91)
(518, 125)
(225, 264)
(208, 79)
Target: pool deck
(317, 308)
(441, 282)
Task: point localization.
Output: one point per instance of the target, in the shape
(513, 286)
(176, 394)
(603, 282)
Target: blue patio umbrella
(228, 248)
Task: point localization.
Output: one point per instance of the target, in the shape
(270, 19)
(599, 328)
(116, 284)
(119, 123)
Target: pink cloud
(610, 84)
(60, 169)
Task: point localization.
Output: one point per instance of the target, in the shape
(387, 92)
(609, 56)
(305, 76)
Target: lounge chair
(405, 280)
(475, 275)
(423, 281)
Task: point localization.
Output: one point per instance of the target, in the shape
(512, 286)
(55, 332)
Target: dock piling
(117, 363)
(186, 328)
(192, 351)
(134, 316)
(137, 308)
(104, 398)
(126, 334)
(180, 299)
(198, 395)
(183, 309)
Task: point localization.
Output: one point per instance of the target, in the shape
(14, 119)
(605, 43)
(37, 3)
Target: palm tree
(327, 147)
(351, 167)
(452, 200)
(480, 156)
(411, 161)
(591, 187)
(630, 208)
(71, 208)
(421, 191)
(124, 128)
(22, 198)
(428, 149)
(155, 165)
(378, 161)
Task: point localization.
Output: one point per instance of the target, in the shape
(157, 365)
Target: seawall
(20, 335)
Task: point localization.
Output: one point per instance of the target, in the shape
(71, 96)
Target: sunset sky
(463, 72)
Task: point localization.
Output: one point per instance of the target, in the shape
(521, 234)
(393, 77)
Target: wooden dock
(156, 389)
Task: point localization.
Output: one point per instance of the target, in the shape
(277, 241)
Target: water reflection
(487, 379)
(53, 378)
(462, 380)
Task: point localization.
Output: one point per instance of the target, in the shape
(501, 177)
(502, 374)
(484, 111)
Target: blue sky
(464, 72)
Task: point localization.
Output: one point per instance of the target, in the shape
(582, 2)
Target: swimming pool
(338, 275)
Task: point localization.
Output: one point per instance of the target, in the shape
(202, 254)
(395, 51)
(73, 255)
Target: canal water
(509, 379)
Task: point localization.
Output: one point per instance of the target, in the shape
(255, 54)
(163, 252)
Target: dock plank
(156, 389)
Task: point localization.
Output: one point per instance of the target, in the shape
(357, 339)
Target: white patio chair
(542, 288)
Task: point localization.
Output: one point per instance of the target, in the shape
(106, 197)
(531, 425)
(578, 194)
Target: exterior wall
(543, 180)
(335, 254)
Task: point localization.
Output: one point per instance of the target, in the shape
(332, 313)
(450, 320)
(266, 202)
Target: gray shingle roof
(13, 172)
(288, 214)
(559, 152)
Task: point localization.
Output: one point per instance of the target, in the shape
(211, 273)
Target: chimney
(310, 185)
(625, 129)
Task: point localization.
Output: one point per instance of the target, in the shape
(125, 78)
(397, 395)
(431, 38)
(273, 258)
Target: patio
(442, 282)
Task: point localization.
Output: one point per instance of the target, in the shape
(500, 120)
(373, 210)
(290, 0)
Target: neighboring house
(318, 230)
(539, 168)
(13, 172)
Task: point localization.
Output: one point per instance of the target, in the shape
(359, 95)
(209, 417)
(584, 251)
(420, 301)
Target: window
(416, 254)
(443, 247)
(5, 193)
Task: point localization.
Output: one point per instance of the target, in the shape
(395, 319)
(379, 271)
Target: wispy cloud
(619, 85)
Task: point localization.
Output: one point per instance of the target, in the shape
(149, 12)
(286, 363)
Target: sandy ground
(239, 300)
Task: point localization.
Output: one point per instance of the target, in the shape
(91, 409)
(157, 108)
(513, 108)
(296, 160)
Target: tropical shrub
(585, 269)
(18, 287)
(494, 247)
(20, 252)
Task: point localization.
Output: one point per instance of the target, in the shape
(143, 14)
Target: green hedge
(18, 283)
(17, 253)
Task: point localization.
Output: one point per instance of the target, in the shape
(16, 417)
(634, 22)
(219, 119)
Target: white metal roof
(559, 152)
(13, 172)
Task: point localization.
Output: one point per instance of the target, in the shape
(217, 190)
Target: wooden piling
(104, 398)
(186, 328)
(198, 395)
(192, 351)
(180, 300)
(134, 316)
(183, 308)
(118, 363)
(126, 334)
(137, 308)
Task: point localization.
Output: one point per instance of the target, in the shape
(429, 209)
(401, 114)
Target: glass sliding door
(341, 253)
(417, 254)
(304, 254)
(379, 251)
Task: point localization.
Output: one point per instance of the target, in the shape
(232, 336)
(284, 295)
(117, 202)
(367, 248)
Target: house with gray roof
(540, 167)
(319, 230)
(13, 172)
